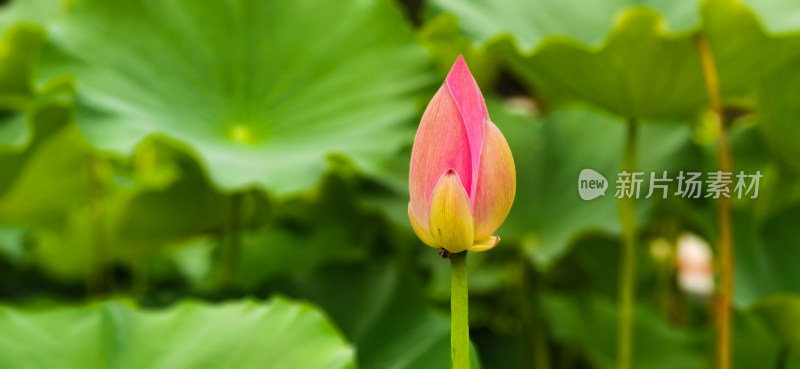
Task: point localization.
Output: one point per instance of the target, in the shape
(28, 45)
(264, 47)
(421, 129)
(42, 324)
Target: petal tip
(459, 68)
(485, 244)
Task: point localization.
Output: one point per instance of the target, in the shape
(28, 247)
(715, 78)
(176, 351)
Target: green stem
(627, 275)
(459, 310)
(723, 307)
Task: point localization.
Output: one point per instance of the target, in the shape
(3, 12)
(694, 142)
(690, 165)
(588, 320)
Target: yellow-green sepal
(451, 223)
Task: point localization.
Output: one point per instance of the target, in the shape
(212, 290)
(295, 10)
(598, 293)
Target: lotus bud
(462, 179)
(695, 265)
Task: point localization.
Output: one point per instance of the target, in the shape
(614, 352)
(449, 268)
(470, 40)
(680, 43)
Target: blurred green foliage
(189, 334)
(171, 170)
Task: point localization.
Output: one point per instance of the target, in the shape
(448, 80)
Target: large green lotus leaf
(635, 59)
(20, 47)
(779, 114)
(14, 130)
(550, 153)
(133, 211)
(73, 249)
(261, 91)
(590, 324)
(57, 155)
(124, 212)
(782, 312)
(536, 24)
(166, 198)
(745, 47)
(275, 334)
(781, 192)
(754, 343)
(42, 121)
(766, 255)
(191, 260)
(53, 151)
(36, 141)
(12, 244)
(30, 11)
(302, 234)
(278, 251)
(384, 313)
(639, 72)
(632, 58)
(779, 189)
(777, 16)
(749, 148)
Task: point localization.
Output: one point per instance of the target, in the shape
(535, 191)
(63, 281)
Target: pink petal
(441, 144)
(497, 183)
(470, 103)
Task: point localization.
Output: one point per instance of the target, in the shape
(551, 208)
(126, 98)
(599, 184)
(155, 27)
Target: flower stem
(627, 274)
(459, 311)
(722, 307)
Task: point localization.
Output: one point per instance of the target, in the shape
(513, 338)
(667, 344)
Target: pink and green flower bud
(462, 179)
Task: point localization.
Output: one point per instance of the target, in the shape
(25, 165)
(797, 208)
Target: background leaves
(235, 83)
(114, 335)
(197, 157)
